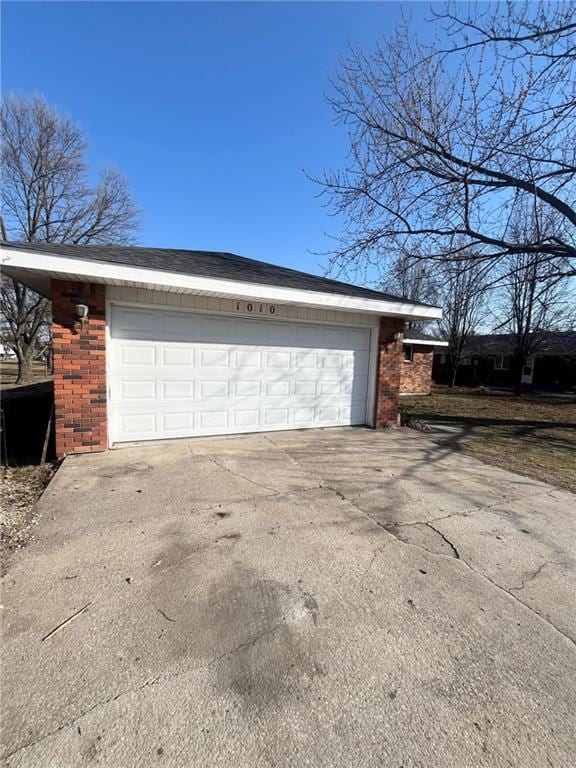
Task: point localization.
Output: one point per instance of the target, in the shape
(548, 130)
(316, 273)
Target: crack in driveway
(444, 538)
(242, 477)
(147, 683)
(456, 556)
(455, 553)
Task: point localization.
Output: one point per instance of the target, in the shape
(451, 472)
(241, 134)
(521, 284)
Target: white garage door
(180, 374)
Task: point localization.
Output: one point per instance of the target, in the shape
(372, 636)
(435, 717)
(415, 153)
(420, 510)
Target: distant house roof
(215, 264)
(553, 343)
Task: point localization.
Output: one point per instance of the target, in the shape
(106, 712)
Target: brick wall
(389, 366)
(79, 368)
(416, 376)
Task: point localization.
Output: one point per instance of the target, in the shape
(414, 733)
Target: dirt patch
(532, 435)
(20, 489)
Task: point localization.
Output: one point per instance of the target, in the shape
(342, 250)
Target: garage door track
(320, 598)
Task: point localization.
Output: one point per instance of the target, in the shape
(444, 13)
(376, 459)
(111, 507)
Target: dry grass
(20, 489)
(9, 374)
(532, 435)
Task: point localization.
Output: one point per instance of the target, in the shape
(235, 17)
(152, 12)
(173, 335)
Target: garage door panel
(138, 423)
(214, 389)
(305, 359)
(177, 421)
(247, 358)
(249, 332)
(305, 388)
(216, 419)
(304, 414)
(134, 323)
(328, 413)
(247, 418)
(331, 361)
(278, 335)
(214, 358)
(137, 389)
(246, 388)
(277, 388)
(201, 374)
(176, 356)
(276, 416)
(178, 390)
(329, 387)
(137, 355)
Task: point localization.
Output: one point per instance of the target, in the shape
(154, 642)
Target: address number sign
(255, 308)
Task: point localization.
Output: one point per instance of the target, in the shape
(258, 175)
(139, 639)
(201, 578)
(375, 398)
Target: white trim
(150, 278)
(370, 322)
(372, 377)
(427, 343)
(108, 344)
(372, 359)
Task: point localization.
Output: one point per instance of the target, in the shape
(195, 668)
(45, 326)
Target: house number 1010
(255, 308)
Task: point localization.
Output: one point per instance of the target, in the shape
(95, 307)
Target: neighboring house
(152, 343)
(487, 362)
(416, 374)
(6, 351)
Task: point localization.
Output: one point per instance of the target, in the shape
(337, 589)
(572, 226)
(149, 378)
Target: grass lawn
(532, 435)
(9, 373)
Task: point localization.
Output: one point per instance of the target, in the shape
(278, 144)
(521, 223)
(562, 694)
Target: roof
(552, 343)
(417, 337)
(214, 264)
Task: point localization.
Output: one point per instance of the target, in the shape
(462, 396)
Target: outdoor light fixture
(397, 336)
(82, 313)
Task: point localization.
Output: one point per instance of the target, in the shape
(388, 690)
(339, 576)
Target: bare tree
(448, 141)
(464, 301)
(46, 197)
(531, 303)
(414, 279)
(528, 30)
(24, 324)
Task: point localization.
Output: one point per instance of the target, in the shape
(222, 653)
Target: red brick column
(79, 368)
(390, 356)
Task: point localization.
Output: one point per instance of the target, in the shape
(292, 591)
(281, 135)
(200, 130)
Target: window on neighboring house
(466, 361)
(501, 363)
(408, 353)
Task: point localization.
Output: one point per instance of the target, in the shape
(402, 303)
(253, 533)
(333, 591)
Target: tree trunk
(453, 377)
(25, 372)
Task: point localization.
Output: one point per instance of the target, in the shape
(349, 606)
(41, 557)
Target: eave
(426, 343)
(38, 269)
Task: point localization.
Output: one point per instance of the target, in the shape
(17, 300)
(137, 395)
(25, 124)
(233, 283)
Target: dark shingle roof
(551, 343)
(223, 266)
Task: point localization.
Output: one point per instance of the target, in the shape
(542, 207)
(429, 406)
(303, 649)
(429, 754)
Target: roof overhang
(426, 342)
(37, 269)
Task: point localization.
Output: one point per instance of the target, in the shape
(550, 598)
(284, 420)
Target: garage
(159, 343)
(183, 374)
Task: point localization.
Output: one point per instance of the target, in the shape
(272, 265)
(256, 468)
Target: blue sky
(212, 110)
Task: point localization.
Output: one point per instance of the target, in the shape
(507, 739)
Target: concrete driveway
(319, 598)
